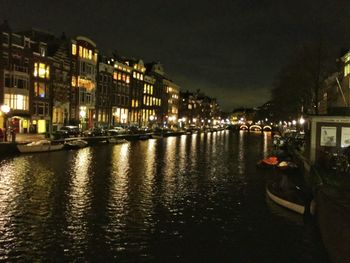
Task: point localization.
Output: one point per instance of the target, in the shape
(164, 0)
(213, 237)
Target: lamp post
(151, 119)
(5, 109)
(82, 114)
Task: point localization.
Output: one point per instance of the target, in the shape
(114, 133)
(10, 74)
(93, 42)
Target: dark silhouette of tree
(299, 82)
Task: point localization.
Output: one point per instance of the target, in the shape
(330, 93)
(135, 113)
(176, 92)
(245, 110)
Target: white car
(117, 130)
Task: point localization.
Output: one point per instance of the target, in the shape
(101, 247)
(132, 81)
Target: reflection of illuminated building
(84, 61)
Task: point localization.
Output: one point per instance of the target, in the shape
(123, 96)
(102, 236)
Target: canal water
(194, 198)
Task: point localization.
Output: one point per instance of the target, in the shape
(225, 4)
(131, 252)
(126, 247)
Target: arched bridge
(255, 127)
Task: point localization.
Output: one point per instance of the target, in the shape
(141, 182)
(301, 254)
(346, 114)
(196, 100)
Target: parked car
(94, 132)
(68, 131)
(116, 131)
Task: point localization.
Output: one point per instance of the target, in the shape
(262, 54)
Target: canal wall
(332, 212)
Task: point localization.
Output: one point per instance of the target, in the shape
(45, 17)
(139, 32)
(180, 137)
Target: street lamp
(5, 109)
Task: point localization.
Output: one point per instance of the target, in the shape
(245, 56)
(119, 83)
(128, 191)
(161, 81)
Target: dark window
(7, 81)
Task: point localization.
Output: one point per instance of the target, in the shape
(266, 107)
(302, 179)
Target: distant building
(104, 93)
(121, 97)
(84, 70)
(151, 103)
(58, 52)
(15, 70)
(168, 91)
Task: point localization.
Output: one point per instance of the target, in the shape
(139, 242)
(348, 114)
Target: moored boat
(115, 140)
(271, 161)
(75, 144)
(39, 146)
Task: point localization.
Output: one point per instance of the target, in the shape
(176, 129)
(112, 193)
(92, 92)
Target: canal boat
(39, 146)
(268, 162)
(287, 165)
(75, 144)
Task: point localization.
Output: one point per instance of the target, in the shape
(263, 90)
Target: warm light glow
(41, 126)
(82, 112)
(5, 109)
(74, 49)
(301, 120)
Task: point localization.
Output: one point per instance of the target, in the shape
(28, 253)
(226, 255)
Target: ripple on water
(192, 198)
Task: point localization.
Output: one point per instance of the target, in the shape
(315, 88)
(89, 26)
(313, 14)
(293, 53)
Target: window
(5, 37)
(35, 70)
(20, 82)
(41, 108)
(7, 81)
(74, 49)
(346, 70)
(40, 89)
(42, 51)
(80, 51)
(41, 70)
(95, 57)
(17, 101)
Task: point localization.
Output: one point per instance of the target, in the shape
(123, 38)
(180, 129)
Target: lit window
(95, 57)
(39, 89)
(90, 54)
(47, 72)
(35, 69)
(347, 69)
(17, 101)
(74, 49)
(115, 75)
(42, 70)
(80, 51)
(127, 79)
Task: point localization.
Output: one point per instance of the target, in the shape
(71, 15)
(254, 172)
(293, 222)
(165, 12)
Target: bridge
(256, 127)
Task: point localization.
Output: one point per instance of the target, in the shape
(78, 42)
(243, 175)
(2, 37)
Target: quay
(319, 192)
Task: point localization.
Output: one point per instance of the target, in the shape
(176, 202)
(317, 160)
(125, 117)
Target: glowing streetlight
(5, 109)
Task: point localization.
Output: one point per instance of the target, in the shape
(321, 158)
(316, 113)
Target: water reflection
(240, 155)
(79, 202)
(188, 198)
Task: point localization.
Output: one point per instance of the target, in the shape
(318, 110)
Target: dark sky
(231, 50)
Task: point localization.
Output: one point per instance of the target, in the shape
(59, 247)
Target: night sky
(231, 50)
